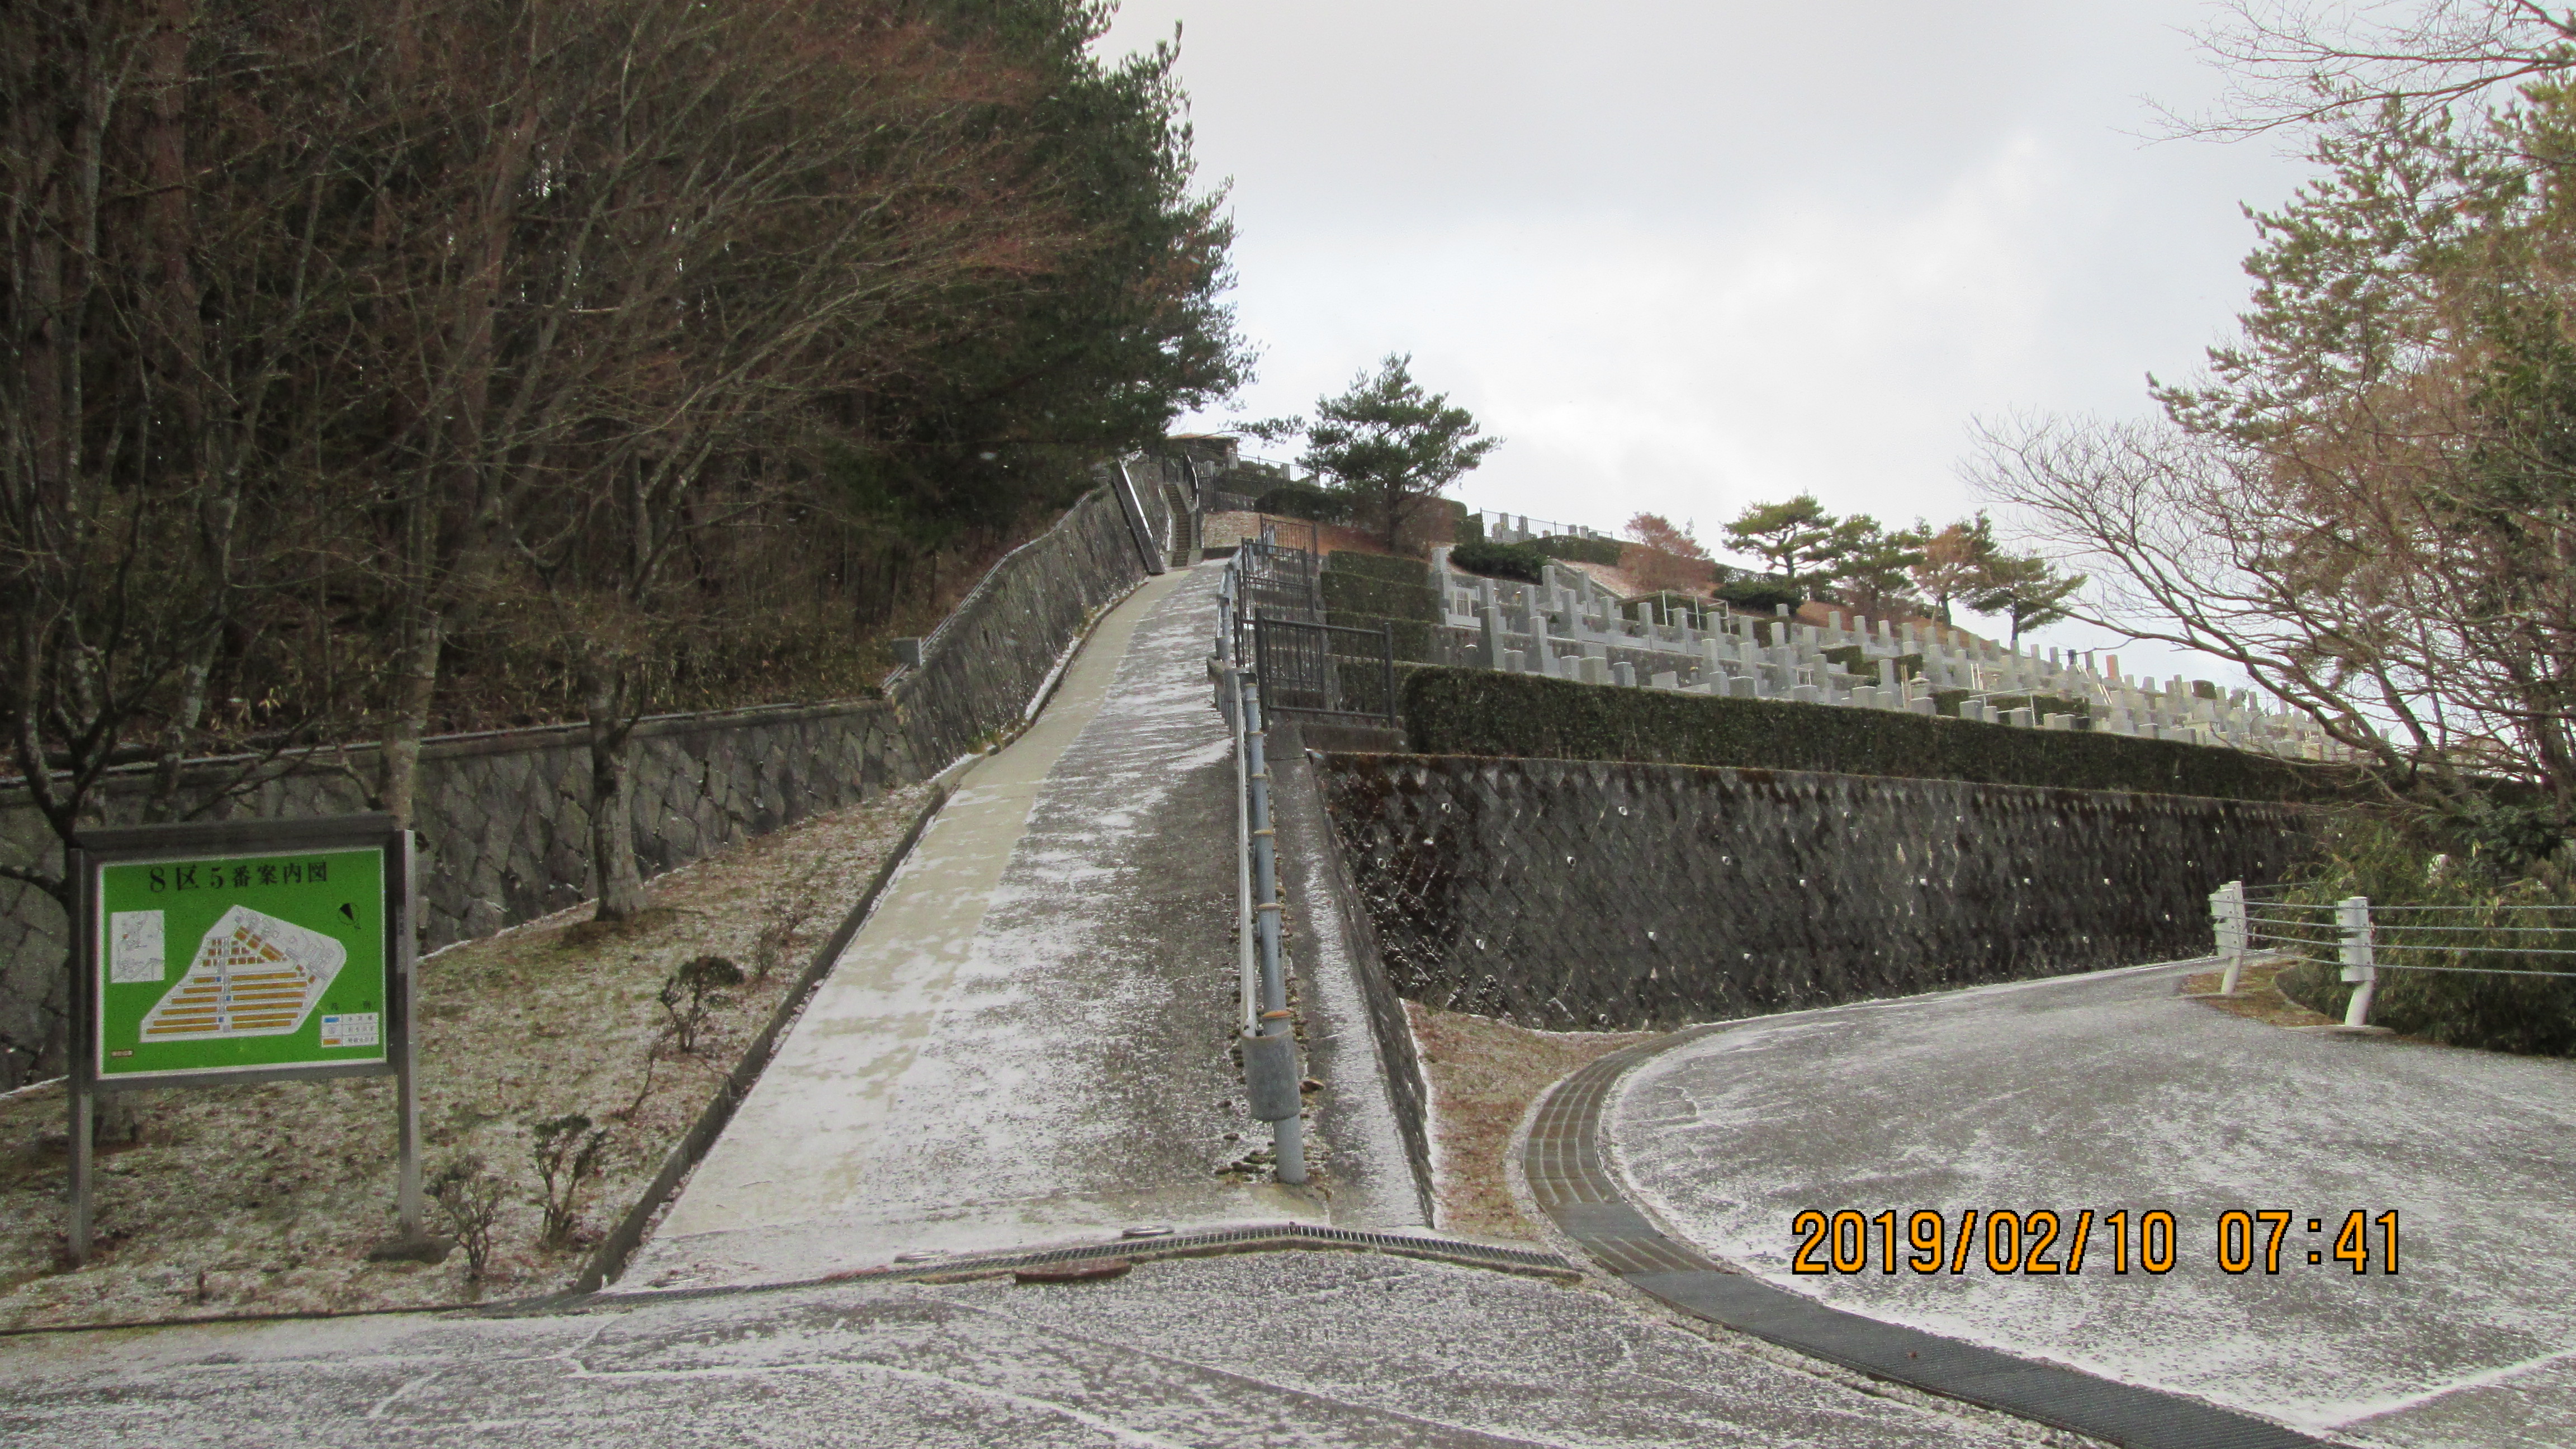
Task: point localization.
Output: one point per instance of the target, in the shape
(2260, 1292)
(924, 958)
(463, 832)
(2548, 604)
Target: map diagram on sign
(254, 975)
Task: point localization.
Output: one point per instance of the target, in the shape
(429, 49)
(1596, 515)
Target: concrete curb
(1570, 1177)
(1215, 1243)
(610, 1258)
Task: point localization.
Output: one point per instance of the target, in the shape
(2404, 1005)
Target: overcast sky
(1689, 256)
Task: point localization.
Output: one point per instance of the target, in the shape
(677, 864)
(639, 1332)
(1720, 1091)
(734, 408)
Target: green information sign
(240, 951)
(237, 962)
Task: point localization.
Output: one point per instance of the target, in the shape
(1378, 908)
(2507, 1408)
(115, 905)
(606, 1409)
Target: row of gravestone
(1568, 626)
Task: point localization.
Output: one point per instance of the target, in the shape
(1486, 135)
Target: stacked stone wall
(503, 817)
(983, 667)
(1574, 895)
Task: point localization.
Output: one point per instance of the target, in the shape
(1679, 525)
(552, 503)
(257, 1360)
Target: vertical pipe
(2353, 914)
(84, 1045)
(1248, 973)
(79, 1235)
(406, 941)
(1288, 1151)
(1265, 857)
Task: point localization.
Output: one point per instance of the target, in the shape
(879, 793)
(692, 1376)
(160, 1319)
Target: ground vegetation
(553, 1088)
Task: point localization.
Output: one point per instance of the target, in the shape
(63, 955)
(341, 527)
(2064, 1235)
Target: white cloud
(1685, 256)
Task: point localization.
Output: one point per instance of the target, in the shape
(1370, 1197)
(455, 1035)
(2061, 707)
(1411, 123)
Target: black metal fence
(1282, 581)
(1324, 668)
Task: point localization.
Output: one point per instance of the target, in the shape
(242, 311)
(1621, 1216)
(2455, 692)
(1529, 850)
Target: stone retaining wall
(1574, 895)
(502, 816)
(982, 668)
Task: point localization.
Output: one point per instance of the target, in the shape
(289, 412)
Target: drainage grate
(1575, 1186)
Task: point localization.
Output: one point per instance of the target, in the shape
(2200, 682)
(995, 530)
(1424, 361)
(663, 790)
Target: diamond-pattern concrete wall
(1577, 895)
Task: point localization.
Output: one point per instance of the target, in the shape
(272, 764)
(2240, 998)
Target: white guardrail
(2264, 924)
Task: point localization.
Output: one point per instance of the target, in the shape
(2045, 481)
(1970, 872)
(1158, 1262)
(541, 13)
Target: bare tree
(162, 311)
(2356, 594)
(2300, 66)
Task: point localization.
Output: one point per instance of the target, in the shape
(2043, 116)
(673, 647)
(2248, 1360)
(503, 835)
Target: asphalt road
(2110, 1093)
(1303, 1348)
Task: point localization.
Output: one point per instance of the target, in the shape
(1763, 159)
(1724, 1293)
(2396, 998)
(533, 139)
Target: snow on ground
(1028, 1041)
(2109, 1092)
(1312, 1349)
(267, 1197)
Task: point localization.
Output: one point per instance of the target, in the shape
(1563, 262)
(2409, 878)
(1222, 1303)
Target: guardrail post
(2359, 970)
(2227, 907)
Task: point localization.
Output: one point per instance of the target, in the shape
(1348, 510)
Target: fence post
(2227, 904)
(1389, 630)
(2353, 915)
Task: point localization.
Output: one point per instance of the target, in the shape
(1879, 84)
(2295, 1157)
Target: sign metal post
(243, 951)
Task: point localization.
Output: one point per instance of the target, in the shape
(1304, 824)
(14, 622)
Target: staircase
(1185, 523)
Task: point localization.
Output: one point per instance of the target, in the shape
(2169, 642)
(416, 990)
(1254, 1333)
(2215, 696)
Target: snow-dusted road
(1312, 1349)
(2109, 1092)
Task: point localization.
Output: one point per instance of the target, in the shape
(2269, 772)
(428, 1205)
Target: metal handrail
(1261, 981)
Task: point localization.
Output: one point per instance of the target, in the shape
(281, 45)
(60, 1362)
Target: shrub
(1479, 712)
(469, 1197)
(1760, 596)
(2498, 897)
(1357, 594)
(1308, 500)
(567, 1155)
(1579, 550)
(1501, 560)
(692, 994)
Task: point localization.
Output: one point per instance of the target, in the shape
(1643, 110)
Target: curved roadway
(2109, 1092)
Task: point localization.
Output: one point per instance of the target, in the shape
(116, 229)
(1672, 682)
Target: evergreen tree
(1393, 446)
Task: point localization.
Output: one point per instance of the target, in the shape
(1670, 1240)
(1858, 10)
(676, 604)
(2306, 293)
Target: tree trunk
(612, 811)
(415, 686)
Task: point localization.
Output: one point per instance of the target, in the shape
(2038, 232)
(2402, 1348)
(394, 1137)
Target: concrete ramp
(1028, 1041)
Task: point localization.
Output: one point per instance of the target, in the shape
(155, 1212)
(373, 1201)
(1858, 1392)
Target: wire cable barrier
(2497, 938)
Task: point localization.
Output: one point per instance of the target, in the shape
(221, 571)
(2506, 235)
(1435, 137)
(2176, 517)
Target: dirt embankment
(269, 1197)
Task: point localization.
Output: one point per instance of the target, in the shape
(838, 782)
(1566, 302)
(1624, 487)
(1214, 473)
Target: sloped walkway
(1027, 1042)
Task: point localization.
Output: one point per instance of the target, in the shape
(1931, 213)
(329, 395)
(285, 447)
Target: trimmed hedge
(1412, 636)
(1477, 712)
(1760, 596)
(1502, 561)
(1579, 550)
(1386, 567)
(1346, 593)
(1308, 501)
